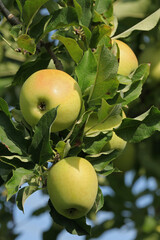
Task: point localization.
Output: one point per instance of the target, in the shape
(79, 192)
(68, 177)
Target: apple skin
(72, 186)
(47, 89)
(93, 128)
(127, 60)
(152, 55)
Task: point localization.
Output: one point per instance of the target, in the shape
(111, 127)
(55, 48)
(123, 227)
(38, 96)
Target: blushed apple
(47, 89)
(72, 186)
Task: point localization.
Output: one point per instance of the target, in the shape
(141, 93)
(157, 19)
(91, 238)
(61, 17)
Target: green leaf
(140, 128)
(63, 148)
(86, 70)
(77, 226)
(99, 200)
(71, 45)
(78, 9)
(36, 30)
(135, 88)
(63, 17)
(5, 170)
(106, 84)
(27, 68)
(85, 15)
(145, 25)
(104, 110)
(94, 145)
(15, 31)
(20, 176)
(102, 160)
(25, 42)
(30, 9)
(12, 137)
(40, 148)
(24, 193)
(100, 36)
(102, 6)
(4, 107)
(19, 6)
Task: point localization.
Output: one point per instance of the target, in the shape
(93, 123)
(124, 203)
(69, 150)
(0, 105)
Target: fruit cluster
(72, 182)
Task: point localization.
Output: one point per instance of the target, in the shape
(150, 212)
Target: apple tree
(80, 39)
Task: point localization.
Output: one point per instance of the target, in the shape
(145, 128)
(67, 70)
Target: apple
(126, 160)
(93, 128)
(127, 60)
(115, 143)
(152, 55)
(47, 89)
(72, 186)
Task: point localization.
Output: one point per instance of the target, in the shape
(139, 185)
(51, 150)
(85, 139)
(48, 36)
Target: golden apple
(127, 60)
(72, 186)
(47, 89)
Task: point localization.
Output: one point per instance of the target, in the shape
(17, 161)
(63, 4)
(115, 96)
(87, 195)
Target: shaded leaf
(27, 68)
(77, 226)
(4, 107)
(20, 176)
(30, 8)
(40, 148)
(99, 200)
(23, 194)
(12, 137)
(86, 70)
(106, 84)
(136, 130)
(62, 18)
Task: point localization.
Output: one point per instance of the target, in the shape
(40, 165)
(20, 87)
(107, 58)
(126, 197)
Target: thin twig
(14, 21)
(10, 17)
(56, 61)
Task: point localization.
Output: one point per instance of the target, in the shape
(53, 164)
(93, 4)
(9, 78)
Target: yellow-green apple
(47, 89)
(152, 55)
(127, 59)
(93, 128)
(126, 160)
(72, 186)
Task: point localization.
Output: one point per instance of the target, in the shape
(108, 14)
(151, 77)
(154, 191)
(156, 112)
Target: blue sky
(32, 227)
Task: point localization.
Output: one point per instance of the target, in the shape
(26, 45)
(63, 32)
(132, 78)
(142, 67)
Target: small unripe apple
(47, 89)
(72, 186)
(127, 60)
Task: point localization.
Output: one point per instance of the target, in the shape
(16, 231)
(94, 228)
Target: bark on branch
(10, 17)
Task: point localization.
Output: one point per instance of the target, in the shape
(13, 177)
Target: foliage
(82, 38)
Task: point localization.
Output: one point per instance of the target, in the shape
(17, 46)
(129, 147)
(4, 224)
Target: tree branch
(14, 21)
(10, 17)
(56, 61)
